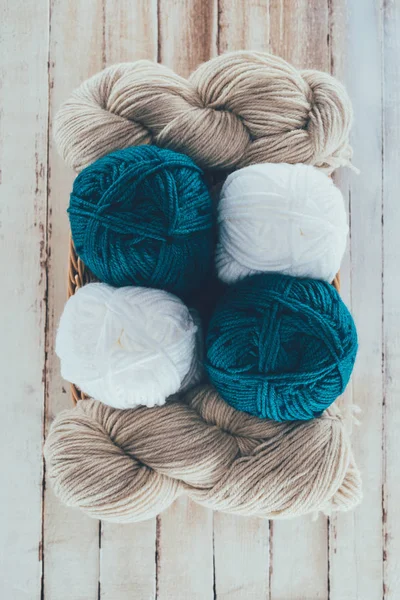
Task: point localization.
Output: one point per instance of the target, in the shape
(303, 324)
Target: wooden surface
(48, 552)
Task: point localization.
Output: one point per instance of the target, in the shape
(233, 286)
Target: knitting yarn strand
(130, 465)
(237, 109)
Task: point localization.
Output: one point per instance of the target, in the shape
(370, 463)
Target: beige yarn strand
(237, 109)
(130, 465)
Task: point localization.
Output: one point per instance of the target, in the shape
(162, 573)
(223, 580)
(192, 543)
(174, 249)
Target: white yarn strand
(280, 218)
(128, 346)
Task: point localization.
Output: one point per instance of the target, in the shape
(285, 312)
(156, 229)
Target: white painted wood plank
(127, 561)
(299, 559)
(23, 174)
(241, 554)
(187, 37)
(342, 553)
(71, 541)
(391, 246)
(341, 549)
(185, 552)
(130, 30)
(356, 538)
(127, 565)
(243, 25)
(299, 32)
(241, 546)
(299, 547)
(187, 33)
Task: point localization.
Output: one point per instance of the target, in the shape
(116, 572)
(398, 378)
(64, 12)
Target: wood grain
(241, 546)
(49, 552)
(243, 25)
(356, 558)
(342, 555)
(187, 37)
(241, 557)
(187, 33)
(127, 564)
(391, 306)
(130, 30)
(187, 572)
(299, 33)
(71, 540)
(23, 268)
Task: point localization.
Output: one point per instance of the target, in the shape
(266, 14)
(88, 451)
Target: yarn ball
(127, 346)
(278, 217)
(281, 347)
(131, 465)
(237, 109)
(143, 216)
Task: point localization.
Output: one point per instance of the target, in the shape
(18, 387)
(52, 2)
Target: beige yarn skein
(235, 110)
(130, 465)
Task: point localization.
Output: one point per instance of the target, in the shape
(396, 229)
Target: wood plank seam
(383, 7)
(158, 520)
(328, 520)
(213, 561)
(104, 64)
(270, 522)
(384, 499)
(158, 556)
(47, 238)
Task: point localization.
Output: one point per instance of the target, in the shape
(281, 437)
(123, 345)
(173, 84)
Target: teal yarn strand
(143, 216)
(281, 348)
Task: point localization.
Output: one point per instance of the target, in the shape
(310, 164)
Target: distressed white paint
(189, 552)
(23, 255)
(391, 304)
(299, 566)
(71, 540)
(128, 553)
(356, 539)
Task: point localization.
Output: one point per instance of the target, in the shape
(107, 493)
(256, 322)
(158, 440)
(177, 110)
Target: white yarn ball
(280, 218)
(127, 346)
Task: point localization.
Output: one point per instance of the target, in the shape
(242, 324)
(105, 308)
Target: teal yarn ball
(281, 348)
(143, 216)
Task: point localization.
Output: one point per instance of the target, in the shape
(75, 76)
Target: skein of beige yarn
(237, 109)
(130, 465)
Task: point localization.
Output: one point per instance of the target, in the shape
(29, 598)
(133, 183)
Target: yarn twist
(128, 346)
(130, 465)
(237, 109)
(143, 216)
(281, 347)
(280, 218)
